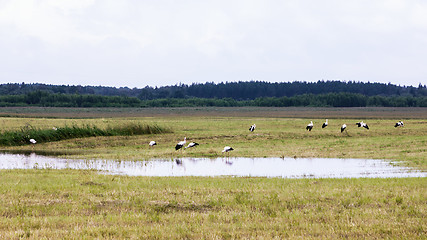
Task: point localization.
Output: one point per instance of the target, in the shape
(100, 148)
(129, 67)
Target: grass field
(69, 204)
(52, 204)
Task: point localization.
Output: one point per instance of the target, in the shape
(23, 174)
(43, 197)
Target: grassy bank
(70, 204)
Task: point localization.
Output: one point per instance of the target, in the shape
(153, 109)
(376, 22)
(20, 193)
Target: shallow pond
(255, 167)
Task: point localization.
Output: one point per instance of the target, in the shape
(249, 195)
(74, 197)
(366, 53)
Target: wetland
(224, 166)
(42, 201)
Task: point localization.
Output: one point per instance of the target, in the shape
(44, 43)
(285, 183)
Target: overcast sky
(135, 43)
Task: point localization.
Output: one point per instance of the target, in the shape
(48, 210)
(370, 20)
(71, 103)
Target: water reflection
(256, 167)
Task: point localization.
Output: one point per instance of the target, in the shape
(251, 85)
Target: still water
(254, 167)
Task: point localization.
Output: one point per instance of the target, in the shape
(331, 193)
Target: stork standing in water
(192, 144)
(399, 124)
(309, 126)
(325, 124)
(181, 144)
(152, 143)
(252, 128)
(227, 150)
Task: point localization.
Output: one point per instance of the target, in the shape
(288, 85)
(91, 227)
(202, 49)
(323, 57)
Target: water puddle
(254, 167)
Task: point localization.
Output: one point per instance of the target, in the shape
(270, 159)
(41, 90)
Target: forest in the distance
(252, 93)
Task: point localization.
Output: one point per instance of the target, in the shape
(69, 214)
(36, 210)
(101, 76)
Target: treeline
(46, 99)
(24, 88)
(236, 90)
(255, 89)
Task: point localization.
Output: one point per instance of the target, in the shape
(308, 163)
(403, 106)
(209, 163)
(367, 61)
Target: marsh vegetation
(274, 136)
(23, 135)
(47, 203)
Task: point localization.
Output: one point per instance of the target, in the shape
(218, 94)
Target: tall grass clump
(136, 129)
(23, 135)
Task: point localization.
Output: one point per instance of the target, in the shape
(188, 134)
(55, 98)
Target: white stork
(252, 128)
(343, 127)
(325, 124)
(365, 126)
(192, 144)
(309, 126)
(227, 149)
(362, 124)
(152, 143)
(181, 144)
(33, 142)
(399, 124)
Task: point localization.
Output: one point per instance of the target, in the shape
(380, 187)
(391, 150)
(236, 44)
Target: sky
(138, 43)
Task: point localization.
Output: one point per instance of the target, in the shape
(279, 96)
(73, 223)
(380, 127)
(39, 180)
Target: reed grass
(23, 135)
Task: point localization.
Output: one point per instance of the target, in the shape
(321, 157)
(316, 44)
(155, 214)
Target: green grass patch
(23, 135)
(71, 204)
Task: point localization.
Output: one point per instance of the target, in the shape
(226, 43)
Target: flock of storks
(227, 149)
(181, 144)
(344, 126)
